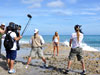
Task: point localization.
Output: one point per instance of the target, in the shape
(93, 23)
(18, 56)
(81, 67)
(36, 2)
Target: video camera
(14, 26)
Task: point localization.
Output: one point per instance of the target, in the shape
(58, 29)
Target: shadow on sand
(3, 63)
(52, 68)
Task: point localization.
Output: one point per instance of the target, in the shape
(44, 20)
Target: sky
(52, 15)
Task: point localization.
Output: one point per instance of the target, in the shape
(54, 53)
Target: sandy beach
(57, 64)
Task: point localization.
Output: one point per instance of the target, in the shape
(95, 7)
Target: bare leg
(44, 60)
(0, 46)
(11, 64)
(8, 62)
(69, 64)
(57, 50)
(83, 65)
(54, 51)
(29, 60)
(0, 53)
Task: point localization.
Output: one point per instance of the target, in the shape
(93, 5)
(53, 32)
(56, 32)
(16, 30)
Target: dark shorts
(56, 44)
(11, 54)
(76, 52)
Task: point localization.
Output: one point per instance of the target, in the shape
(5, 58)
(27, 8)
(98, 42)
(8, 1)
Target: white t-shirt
(42, 40)
(75, 42)
(13, 35)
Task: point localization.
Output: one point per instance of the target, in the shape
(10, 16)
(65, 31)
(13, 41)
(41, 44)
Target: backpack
(8, 41)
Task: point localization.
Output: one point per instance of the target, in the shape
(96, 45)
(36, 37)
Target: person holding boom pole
(11, 53)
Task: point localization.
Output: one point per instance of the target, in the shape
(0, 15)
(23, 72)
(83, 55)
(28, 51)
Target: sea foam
(84, 46)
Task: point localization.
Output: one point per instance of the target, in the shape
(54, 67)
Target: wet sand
(57, 64)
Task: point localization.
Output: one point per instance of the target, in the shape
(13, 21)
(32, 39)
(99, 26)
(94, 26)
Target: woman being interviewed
(76, 49)
(56, 43)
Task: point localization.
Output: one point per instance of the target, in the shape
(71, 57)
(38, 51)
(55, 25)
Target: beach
(27, 23)
(57, 64)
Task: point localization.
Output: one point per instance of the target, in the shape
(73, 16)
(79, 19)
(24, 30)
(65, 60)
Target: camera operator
(2, 31)
(12, 53)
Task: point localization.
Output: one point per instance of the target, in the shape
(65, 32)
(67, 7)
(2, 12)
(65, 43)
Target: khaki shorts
(76, 52)
(37, 51)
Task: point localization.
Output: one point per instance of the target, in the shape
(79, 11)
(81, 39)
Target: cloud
(93, 9)
(40, 12)
(94, 18)
(62, 12)
(72, 1)
(33, 3)
(47, 12)
(88, 13)
(67, 19)
(57, 3)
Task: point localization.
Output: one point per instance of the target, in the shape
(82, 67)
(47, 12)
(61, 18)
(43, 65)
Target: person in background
(12, 53)
(2, 31)
(55, 40)
(36, 45)
(76, 48)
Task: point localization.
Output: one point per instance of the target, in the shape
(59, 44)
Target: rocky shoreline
(57, 64)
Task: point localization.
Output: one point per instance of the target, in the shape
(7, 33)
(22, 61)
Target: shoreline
(62, 44)
(57, 64)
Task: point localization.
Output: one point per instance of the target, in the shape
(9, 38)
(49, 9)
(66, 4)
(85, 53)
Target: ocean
(90, 42)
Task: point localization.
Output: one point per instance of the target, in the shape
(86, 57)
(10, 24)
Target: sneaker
(11, 71)
(26, 66)
(45, 65)
(84, 72)
(66, 71)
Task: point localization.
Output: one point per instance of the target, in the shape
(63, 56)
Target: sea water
(90, 42)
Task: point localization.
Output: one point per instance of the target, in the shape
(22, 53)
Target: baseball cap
(36, 30)
(77, 26)
(3, 24)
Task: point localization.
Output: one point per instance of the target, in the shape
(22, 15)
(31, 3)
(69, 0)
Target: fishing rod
(29, 16)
